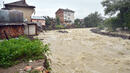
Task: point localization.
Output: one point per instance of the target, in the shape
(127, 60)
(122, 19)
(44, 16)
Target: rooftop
(21, 3)
(7, 24)
(38, 17)
(66, 10)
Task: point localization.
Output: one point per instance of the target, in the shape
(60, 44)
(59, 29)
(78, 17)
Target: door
(32, 29)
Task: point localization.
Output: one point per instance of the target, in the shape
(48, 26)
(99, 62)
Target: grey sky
(81, 7)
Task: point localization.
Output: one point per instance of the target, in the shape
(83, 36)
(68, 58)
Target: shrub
(112, 23)
(59, 26)
(101, 26)
(93, 20)
(21, 49)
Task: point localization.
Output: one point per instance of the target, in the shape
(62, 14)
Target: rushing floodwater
(81, 51)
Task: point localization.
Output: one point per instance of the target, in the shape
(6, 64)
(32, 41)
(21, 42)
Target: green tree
(78, 23)
(121, 8)
(93, 20)
(111, 23)
(57, 20)
(113, 6)
(50, 22)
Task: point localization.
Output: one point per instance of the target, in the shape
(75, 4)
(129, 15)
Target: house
(38, 19)
(11, 24)
(21, 6)
(66, 16)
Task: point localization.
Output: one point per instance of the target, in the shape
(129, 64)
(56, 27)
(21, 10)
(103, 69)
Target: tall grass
(14, 50)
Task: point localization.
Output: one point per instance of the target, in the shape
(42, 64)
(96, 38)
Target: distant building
(66, 16)
(23, 7)
(38, 19)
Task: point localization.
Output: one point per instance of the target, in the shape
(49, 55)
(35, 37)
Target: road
(81, 51)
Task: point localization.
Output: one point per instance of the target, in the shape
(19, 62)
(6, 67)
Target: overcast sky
(48, 7)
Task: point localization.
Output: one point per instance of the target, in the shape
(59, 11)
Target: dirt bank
(123, 35)
(81, 51)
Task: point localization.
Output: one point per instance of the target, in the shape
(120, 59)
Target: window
(68, 18)
(69, 14)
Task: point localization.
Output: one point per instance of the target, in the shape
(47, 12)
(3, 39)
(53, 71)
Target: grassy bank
(14, 51)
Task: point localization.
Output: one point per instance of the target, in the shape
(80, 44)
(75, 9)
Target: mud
(112, 34)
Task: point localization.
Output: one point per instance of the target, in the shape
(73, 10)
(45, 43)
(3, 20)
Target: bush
(21, 49)
(101, 26)
(59, 26)
(93, 20)
(112, 23)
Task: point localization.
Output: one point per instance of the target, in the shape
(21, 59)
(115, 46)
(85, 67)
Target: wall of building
(60, 14)
(30, 30)
(66, 17)
(69, 16)
(27, 12)
(11, 31)
(39, 21)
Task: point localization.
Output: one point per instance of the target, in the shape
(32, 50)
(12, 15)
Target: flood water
(81, 51)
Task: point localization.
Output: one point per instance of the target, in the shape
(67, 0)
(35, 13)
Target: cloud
(81, 7)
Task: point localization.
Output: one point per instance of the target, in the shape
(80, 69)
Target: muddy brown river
(81, 51)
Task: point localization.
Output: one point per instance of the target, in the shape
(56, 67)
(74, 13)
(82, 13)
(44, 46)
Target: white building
(66, 16)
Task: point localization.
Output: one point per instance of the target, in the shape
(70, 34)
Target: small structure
(39, 20)
(30, 29)
(21, 6)
(11, 23)
(66, 16)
